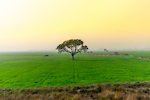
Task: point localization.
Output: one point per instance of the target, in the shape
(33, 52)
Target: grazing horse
(116, 53)
(124, 54)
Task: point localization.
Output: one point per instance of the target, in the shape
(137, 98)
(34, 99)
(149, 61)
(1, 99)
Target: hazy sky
(43, 24)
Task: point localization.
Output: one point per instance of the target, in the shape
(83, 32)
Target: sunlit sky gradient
(39, 25)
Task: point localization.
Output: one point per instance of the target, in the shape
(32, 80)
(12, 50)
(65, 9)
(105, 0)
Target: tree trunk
(72, 56)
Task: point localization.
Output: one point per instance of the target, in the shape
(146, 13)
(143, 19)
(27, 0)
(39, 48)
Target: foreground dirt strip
(118, 91)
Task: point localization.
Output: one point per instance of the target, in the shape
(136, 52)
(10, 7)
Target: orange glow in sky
(43, 24)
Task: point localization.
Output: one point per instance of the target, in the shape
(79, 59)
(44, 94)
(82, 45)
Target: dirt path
(122, 55)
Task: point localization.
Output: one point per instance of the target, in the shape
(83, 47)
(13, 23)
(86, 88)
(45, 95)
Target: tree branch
(67, 50)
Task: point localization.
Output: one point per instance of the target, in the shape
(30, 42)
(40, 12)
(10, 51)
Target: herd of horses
(87, 52)
(115, 53)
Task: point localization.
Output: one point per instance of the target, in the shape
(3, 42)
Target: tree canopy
(72, 46)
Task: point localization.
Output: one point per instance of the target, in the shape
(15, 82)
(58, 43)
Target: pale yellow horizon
(40, 25)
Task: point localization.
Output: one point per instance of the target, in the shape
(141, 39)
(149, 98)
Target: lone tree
(72, 46)
(106, 50)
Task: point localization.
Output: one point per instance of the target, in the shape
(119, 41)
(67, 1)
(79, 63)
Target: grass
(24, 70)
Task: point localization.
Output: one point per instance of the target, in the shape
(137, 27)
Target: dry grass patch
(119, 91)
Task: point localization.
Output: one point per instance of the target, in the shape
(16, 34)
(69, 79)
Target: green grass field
(21, 70)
